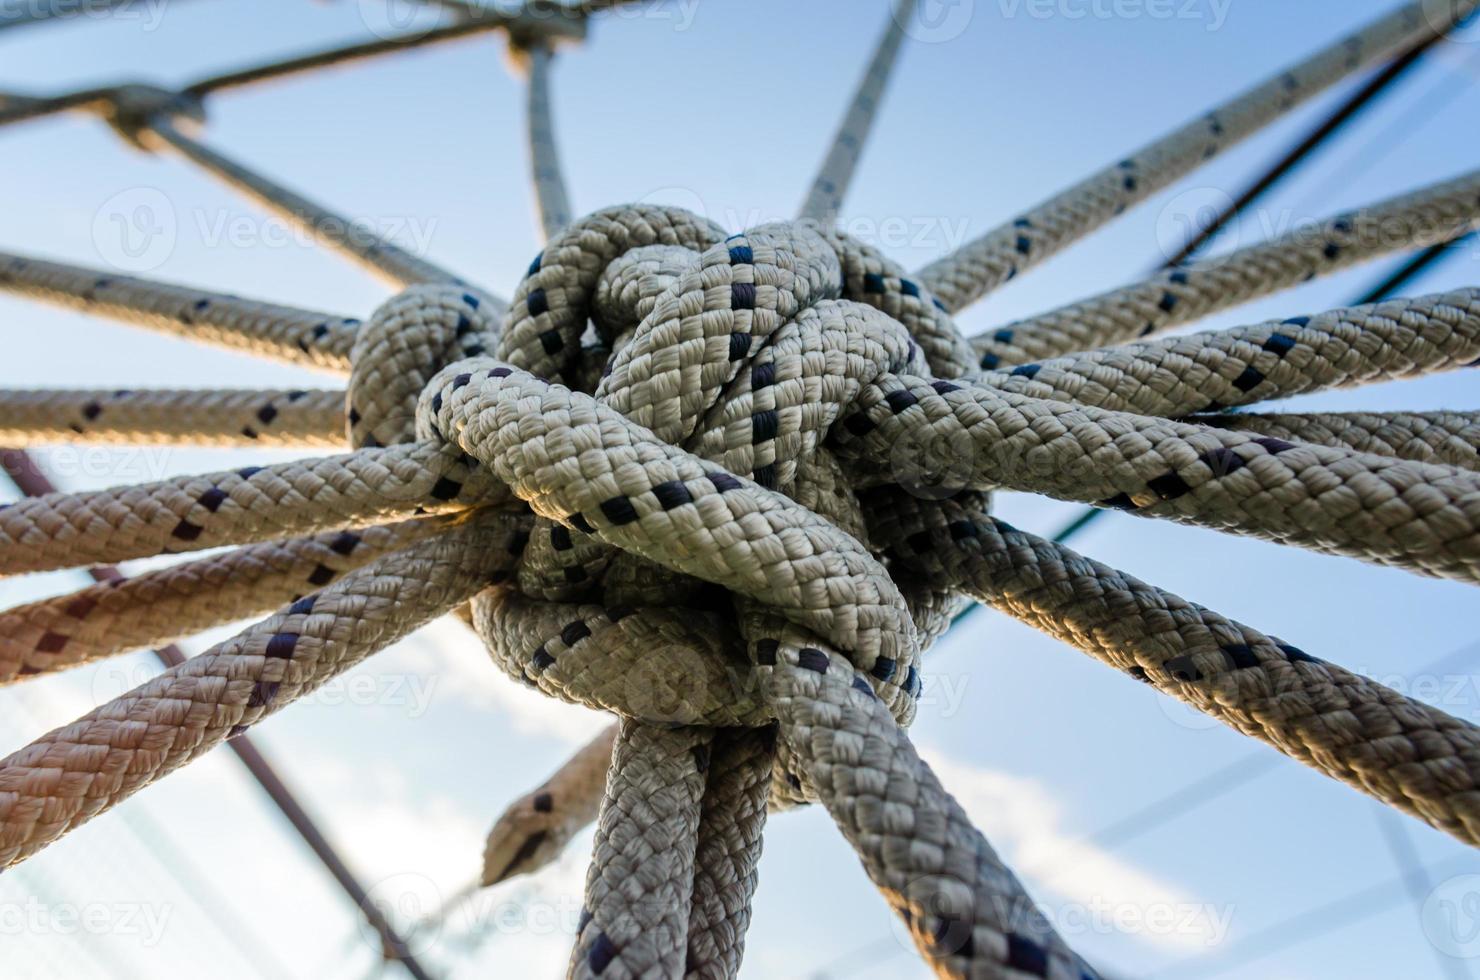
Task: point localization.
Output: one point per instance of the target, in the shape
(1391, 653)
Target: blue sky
(726, 107)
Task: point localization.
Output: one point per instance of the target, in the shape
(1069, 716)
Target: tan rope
(376, 254)
(976, 268)
(1414, 515)
(166, 604)
(635, 918)
(217, 417)
(729, 850)
(1403, 752)
(303, 337)
(192, 513)
(825, 198)
(705, 557)
(551, 199)
(1207, 372)
(536, 827)
(1452, 438)
(1176, 296)
(548, 21)
(68, 776)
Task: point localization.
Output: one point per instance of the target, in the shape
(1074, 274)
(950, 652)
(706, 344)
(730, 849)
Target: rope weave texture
(730, 488)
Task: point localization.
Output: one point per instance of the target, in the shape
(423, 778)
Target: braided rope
(1403, 752)
(192, 513)
(1452, 438)
(308, 419)
(73, 773)
(771, 426)
(825, 197)
(1214, 370)
(551, 199)
(163, 605)
(377, 255)
(302, 337)
(1175, 296)
(981, 265)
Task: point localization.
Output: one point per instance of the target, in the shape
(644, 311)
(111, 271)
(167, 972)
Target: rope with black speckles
(1176, 296)
(701, 533)
(979, 266)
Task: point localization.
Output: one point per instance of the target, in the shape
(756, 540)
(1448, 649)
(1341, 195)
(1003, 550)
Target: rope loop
(407, 340)
(690, 473)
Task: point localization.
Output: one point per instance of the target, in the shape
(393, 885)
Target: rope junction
(730, 487)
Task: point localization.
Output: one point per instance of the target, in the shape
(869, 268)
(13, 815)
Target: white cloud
(1080, 886)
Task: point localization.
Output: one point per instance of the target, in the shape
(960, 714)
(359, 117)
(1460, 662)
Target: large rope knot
(660, 395)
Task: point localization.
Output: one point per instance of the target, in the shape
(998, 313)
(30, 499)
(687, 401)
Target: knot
(407, 340)
(132, 109)
(661, 396)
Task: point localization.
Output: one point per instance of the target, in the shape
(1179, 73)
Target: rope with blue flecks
(699, 529)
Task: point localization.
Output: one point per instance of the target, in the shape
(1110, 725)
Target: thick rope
(303, 337)
(535, 828)
(1384, 743)
(1413, 515)
(159, 606)
(1215, 370)
(635, 917)
(68, 776)
(193, 513)
(1452, 438)
(218, 417)
(980, 266)
(1435, 214)
(729, 850)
